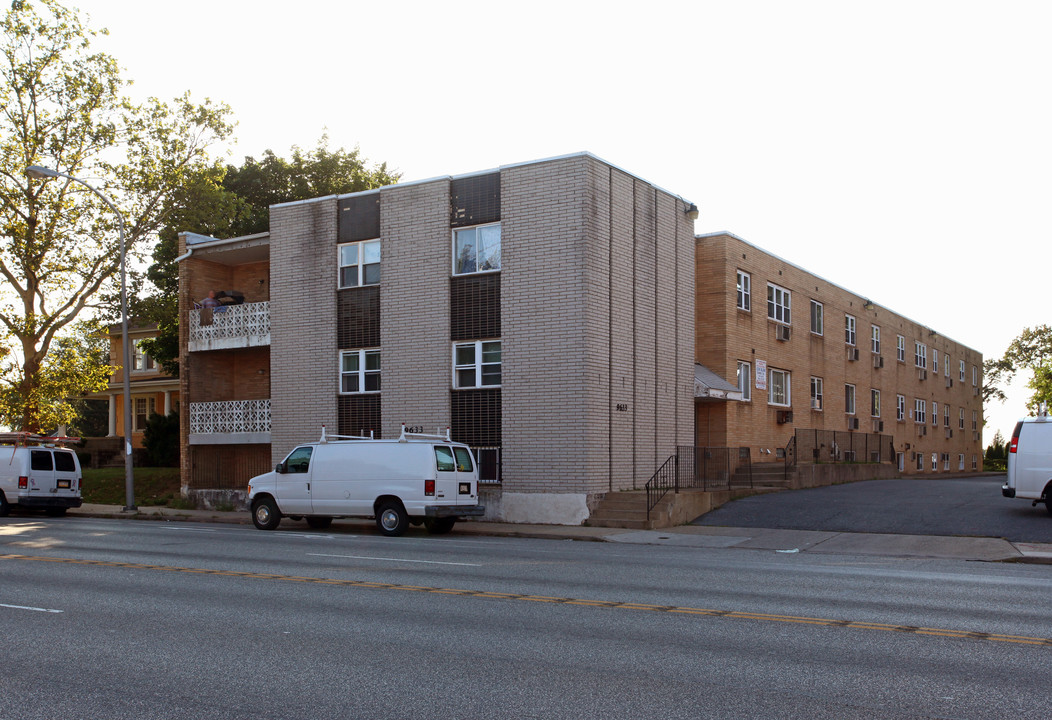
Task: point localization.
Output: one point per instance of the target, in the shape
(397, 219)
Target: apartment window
(975, 462)
(744, 291)
(946, 415)
(745, 380)
(144, 408)
(960, 420)
(476, 364)
(960, 461)
(920, 410)
(849, 399)
(359, 371)
(849, 329)
(900, 348)
(946, 461)
(140, 360)
(935, 364)
(778, 388)
(816, 317)
(962, 370)
(920, 461)
(476, 249)
(975, 376)
(975, 420)
(779, 304)
(934, 462)
(920, 354)
(874, 336)
(946, 365)
(934, 413)
(816, 393)
(874, 403)
(359, 263)
(900, 407)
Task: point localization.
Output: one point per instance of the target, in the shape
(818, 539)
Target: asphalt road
(970, 507)
(121, 619)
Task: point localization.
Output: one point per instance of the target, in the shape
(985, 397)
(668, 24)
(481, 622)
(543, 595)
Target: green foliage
(1032, 351)
(236, 201)
(997, 449)
(161, 440)
(64, 108)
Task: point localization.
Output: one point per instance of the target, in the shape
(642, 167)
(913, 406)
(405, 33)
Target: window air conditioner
(816, 404)
(922, 374)
(785, 416)
(949, 433)
(782, 332)
(949, 382)
(878, 362)
(878, 426)
(852, 354)
(852, 423)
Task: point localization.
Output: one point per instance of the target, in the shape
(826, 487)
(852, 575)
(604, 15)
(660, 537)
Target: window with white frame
(849, 329)
(946, 415)
(935, 362)
(975, 420)
(816, 393)
(745, 380)
(359, 371)
(476, 249)
(946, 461)
(778, 387)
(975, 462)
(920, 461)
(900, 348)
(900, 407)
(962, 370)
(359, 263)
(920, 354)
(744, 291)
(975, 376)
(934, 413)
(934, 462)
(946, 365)
(960, 420)
(144, 407)
(849, 399)
(874, 338)
(477, 364)
(779, 304)
(920, 410)
(874, 402)
(140, 360)
(817, 321)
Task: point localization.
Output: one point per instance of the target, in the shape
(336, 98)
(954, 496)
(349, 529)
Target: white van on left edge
(36, 473)
(416, 479)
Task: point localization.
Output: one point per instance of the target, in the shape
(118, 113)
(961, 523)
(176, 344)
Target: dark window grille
(474, 307)
(358, 318)
(359, 414)
(359, 218)
(474, 200)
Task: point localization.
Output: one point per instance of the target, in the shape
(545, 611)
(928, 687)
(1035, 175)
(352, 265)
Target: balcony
(233, 422)
(233, 326)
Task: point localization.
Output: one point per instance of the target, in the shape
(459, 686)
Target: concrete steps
(628, 509)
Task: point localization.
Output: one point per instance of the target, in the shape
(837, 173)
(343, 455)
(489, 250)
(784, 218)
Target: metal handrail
(666, 478)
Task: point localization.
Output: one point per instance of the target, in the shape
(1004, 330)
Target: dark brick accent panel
(474, 304)
(476, 417)
(474, 200)
(358, 318)
(359, 218)
(359, 414)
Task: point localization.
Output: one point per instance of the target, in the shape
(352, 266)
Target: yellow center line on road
(580, 602)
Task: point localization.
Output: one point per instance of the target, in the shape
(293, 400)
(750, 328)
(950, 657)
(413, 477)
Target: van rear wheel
(439, 526)
(391, 518)
(265, 514)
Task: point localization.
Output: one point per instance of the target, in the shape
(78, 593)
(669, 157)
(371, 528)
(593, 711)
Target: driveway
(964, 506)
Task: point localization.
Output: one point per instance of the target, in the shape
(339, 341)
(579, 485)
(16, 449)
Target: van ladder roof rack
(28, 438)
(405, 436)
(326, 438)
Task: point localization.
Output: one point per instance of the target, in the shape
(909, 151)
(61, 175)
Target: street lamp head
(40, 172)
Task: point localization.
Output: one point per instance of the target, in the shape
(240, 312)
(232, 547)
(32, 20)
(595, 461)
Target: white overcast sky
(899, 149)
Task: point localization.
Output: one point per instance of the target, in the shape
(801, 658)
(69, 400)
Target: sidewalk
(696, 536)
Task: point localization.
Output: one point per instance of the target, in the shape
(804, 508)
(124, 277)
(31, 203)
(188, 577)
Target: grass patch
(153, 487)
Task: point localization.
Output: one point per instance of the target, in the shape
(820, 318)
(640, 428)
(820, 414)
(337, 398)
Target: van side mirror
(279, 468)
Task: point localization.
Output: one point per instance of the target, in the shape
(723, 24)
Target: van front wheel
(265, 514)
(391, 519)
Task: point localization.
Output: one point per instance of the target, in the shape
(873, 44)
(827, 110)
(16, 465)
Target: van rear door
(41, 473)
(467, 476)
(67, 474)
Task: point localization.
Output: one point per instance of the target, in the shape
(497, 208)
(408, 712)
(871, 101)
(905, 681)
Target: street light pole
(40, 173)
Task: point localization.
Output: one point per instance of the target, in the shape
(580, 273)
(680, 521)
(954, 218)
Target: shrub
(161, 440)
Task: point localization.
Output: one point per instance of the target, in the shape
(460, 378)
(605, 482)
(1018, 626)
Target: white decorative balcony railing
(232, 326)
(230, 417)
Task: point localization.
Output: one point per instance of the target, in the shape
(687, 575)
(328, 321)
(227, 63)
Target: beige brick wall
(417, 357)
(751, 337)
(303, 353)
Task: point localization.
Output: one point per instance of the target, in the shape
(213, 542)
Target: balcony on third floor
(231, 326)
(231, 422)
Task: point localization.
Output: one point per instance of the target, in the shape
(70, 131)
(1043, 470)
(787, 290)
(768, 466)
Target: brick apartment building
(808, 354)
(537, 310)
(547, 312)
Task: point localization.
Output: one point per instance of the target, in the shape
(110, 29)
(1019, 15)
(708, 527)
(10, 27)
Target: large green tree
(1031, 350)
(236, 201)
(62, 105)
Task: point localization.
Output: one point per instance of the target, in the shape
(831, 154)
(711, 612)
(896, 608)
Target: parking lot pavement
(944, 506)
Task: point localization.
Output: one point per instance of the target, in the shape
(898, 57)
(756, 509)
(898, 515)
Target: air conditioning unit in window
(782, 332)
(852, 423)
(852, 354)
(949, 382)
(878, 362)
(785, 416)
(975, 391)
(878, 426)
(816, 404)
(949, 433)
(922, 430)
(922, 374)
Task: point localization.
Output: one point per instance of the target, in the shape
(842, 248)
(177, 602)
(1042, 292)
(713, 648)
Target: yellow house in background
(152, 389)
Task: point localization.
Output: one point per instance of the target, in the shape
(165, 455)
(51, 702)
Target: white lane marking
(34, 609)
(186, 529)
(366, 557)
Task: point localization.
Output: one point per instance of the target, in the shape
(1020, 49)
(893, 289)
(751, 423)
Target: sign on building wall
(761, 374)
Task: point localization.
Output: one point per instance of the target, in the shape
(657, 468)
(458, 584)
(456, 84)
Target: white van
(1030, 460)
(34, 473)
(417, 478)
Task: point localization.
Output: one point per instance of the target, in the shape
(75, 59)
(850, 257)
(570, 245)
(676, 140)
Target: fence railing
(838, 446)
(700, 468)
(248, 323)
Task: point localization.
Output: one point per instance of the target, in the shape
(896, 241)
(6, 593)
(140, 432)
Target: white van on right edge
(418, 479)
(1030, 460)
